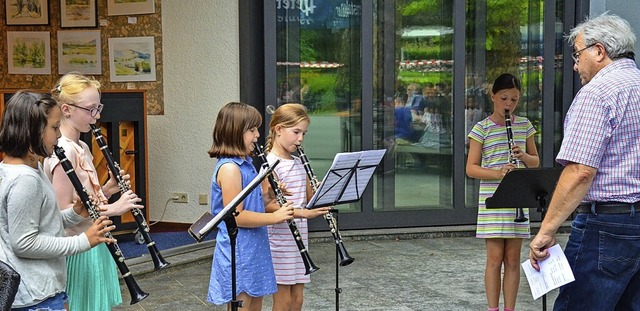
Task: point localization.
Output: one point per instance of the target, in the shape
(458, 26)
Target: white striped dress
(498, 222)
(287, 261)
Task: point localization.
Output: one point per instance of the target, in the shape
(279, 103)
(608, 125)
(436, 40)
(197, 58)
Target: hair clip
(59, 88)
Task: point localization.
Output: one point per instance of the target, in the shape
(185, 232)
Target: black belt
(609, 208)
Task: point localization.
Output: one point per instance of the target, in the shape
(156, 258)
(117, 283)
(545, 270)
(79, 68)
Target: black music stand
(345, 182)
(208, 222)
(524, 188)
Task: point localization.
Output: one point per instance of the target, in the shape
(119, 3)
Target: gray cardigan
(32, 238)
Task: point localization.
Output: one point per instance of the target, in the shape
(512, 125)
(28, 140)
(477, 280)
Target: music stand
(207, 222)
(345, 182)
(533, 186)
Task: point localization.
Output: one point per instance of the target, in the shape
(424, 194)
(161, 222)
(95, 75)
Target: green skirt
(92, 280)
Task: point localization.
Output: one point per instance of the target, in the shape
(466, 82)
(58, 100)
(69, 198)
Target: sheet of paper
(339, 177)
(554, 272)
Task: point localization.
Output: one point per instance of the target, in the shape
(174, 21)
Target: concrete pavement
(400, 269)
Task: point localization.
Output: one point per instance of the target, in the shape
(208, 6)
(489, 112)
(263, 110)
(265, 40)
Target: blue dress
(255, 275)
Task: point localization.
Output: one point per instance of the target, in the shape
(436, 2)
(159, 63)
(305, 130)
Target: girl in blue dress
(234, 135)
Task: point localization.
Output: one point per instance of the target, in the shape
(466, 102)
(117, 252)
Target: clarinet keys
(513, 160)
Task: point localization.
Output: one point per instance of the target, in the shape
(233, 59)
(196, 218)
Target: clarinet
(309, 266)
(345, 259)
(134, 290)
(513, 160)
(143, 228)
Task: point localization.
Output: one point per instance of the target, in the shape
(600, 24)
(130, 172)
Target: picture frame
(80, 51)
(132, 59)
(26, 12)
(78, 13)
(130, 7)
(21, 56)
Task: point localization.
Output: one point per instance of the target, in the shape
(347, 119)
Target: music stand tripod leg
(232, 229)
(337, 289)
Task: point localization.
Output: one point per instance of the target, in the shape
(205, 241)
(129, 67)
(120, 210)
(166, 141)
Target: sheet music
(554, 272)
(337, 177)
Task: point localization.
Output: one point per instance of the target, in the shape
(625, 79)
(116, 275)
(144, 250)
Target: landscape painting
(130, 7)
(27, 12)
(29, 52)
(132, 59)
(78, 13)
(79, 51)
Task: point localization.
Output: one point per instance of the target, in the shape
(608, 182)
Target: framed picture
(29, 52)
(130, 7)
(132, 59)
(79, 51)
(27, 12)
(78, 13)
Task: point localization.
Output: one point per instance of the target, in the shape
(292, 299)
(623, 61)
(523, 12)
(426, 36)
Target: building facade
(351, 62)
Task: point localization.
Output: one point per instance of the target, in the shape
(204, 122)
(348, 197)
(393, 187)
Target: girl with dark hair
(488, 160)
(32, 237)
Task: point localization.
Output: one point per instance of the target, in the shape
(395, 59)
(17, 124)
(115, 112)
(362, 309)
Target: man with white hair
(601, 179)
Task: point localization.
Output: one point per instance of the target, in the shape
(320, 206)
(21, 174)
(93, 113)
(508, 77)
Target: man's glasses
(576, 55)
(93, 111)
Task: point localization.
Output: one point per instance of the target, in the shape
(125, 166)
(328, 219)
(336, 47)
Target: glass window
(415, 119)
(318, 65)
(500, 44)
(415, 114)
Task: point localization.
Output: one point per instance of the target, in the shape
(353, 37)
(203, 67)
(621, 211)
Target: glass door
(428, 68)
(318, 65)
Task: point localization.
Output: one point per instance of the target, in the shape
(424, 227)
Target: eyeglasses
(576, 55)
(93, 111)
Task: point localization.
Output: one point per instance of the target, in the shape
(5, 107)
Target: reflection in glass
(500, 44)
(414, 117)
(318, 65)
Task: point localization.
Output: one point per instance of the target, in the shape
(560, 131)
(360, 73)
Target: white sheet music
(554, 272)
(337, 178)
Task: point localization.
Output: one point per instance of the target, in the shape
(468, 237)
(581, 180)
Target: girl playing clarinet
(286, 131)
(234, 135)
(79, 99)
(488, 160)
(32, 227)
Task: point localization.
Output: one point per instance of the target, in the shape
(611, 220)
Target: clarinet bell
(135, 292)
(345, 259)
(309, 266)
(520, 215)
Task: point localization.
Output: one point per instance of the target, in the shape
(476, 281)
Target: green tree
(504, 39)
(20, 53)
(36, 54)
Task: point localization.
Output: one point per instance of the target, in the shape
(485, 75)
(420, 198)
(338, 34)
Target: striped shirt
(287, 260)
(498, 222)
(602, 130)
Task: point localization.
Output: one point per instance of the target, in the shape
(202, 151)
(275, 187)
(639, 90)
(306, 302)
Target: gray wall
(626, 9)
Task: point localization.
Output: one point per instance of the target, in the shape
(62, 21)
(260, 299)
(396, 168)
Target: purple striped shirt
(602, 130)
(287, 261)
